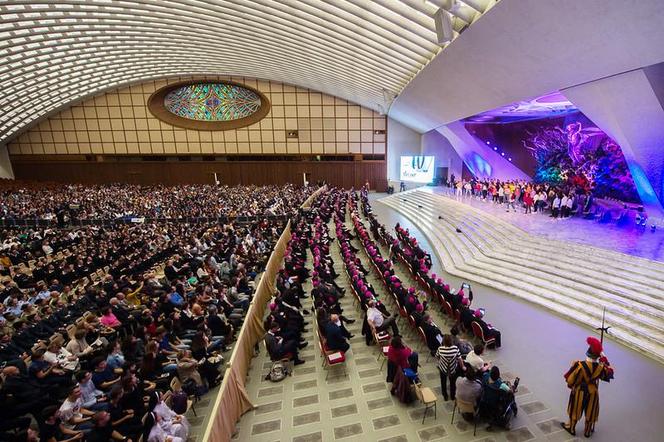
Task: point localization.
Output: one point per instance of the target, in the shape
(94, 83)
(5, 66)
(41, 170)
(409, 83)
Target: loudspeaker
(444, 28)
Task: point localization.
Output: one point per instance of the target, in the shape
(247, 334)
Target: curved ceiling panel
(55, 52)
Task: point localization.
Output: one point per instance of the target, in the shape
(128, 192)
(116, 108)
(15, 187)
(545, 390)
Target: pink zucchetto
(464, 301)
(273, 306)
(386, 274)
(419, 308)
(397, 285)
(411, 290)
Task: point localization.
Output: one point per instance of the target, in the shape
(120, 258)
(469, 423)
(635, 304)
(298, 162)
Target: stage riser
(640, 297)
(579, 296)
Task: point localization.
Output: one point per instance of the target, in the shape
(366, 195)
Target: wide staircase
(573, 280)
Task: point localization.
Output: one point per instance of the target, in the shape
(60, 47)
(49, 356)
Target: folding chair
(176, 386)
(428, 398)
(331, 358)
(466, 407)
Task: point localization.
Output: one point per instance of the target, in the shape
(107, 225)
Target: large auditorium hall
(331, 220)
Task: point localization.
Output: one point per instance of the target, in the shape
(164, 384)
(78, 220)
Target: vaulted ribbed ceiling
(54, 53)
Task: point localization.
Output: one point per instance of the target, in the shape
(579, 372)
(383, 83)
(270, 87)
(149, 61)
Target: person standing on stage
(583, 379)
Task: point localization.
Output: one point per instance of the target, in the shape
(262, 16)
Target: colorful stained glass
(212, 102)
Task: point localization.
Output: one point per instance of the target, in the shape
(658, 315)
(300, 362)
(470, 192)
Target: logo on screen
(418, 169)
(418, 162)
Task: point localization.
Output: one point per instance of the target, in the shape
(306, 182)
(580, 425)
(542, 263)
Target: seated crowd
(109, 330)
(20, 200)
(474, 384)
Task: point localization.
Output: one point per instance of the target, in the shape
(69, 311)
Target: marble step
(650, 282)
(650, 327)
(632, 335)
(653, 270)
(617, 288)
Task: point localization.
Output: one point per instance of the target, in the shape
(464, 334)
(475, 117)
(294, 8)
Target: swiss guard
(583, 379)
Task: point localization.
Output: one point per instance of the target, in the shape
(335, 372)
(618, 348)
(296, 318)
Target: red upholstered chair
(479, 333)
(447, 308)
(331, 358)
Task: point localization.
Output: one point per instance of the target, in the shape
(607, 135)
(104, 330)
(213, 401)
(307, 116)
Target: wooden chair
(176, 386)
(466, 407)
(428, 398)
(423, 337)
(447, 308)
(383, 355)
(479, 333)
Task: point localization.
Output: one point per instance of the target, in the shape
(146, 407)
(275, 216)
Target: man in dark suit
(432, 333)
(336, 335)
(278, 348)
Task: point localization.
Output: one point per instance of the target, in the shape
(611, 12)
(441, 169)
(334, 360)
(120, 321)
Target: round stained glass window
(209, 105)
(212, 102)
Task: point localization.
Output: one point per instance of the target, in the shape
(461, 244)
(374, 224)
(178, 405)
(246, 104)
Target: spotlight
(488, 142)
(502, 153)
(495, 148)
(509, 159)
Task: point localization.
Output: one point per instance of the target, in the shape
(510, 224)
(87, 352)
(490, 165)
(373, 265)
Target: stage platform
(557, 264)
(627, 238)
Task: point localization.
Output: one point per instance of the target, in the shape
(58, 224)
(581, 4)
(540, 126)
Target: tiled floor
(359, 406)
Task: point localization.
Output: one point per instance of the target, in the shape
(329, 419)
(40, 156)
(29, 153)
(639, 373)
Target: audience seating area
(141, 308)
(479, 247)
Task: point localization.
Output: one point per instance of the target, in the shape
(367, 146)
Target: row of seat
(555, 274)
(382, 339)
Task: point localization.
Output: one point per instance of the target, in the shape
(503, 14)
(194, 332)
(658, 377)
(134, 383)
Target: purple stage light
(488, 142)
(509, 159)
(502, 153)
(495, 148)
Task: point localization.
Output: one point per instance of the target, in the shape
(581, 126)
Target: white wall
(470, 150)
(522, 49)
(434, 143)
(401, 141)
(6, 170)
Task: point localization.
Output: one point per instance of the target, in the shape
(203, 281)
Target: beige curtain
(232, 400)
(307, 203)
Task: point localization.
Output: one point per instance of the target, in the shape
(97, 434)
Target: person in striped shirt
(449, 365)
